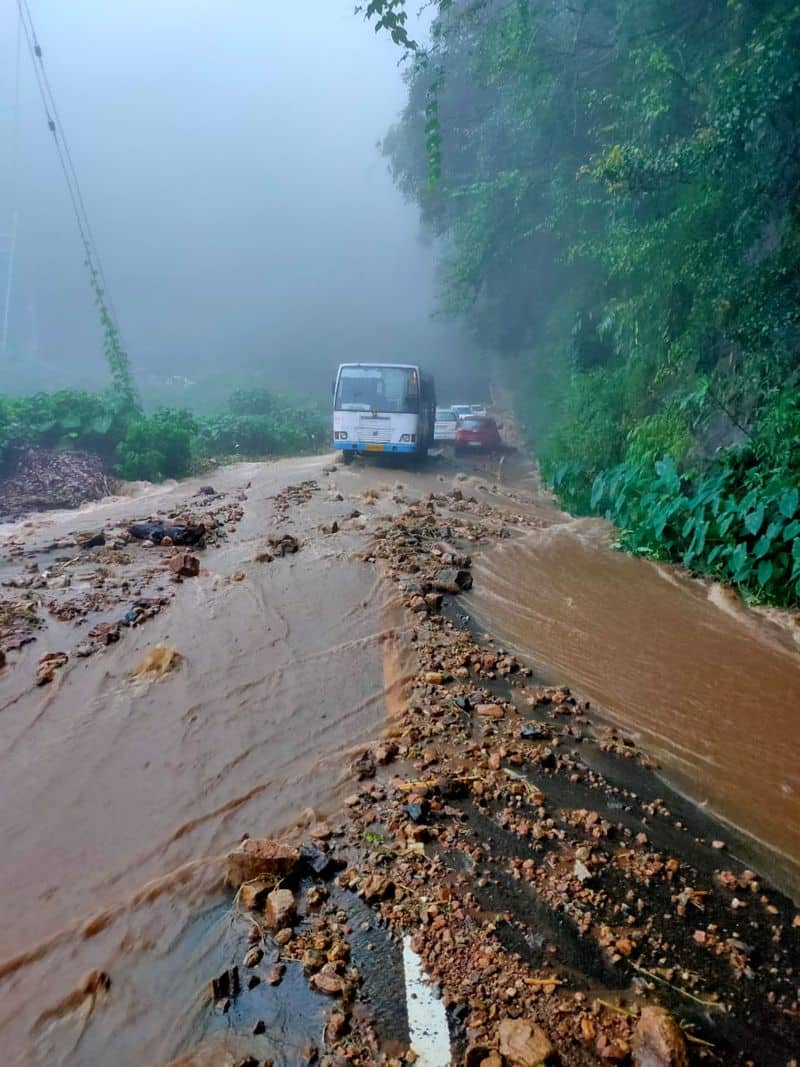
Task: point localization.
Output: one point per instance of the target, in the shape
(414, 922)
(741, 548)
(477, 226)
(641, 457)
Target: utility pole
(12, 242)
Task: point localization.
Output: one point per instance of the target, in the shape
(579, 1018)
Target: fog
(246, 221)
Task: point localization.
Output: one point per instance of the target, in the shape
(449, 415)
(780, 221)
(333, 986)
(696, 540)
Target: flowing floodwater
(118, 797)
(708, 686)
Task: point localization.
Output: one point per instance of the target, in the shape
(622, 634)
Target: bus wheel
(347, 458)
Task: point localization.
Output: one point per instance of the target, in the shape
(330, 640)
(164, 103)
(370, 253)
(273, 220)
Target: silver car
(444, 428)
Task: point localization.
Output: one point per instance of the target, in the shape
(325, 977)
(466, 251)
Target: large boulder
(260, 857)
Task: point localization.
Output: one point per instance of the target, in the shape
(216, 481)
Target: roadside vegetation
(615, 188)
(169, 443)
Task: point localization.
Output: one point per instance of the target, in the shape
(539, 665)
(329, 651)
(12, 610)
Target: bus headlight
(408, 438)
(340, 435)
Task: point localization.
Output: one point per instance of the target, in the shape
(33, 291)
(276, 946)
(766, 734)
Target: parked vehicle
(475, 432)
(478, 409)
(383, 407)
(461, 409)
(444, 429)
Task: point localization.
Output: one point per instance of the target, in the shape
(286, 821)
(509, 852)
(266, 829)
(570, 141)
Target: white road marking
(427, 1020)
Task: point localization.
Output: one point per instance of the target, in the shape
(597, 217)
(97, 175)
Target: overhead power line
(12, 240)
(56, 127)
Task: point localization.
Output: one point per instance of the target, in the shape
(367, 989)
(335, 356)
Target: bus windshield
(386, 389)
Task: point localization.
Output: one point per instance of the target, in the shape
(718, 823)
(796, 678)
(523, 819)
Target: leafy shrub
(738, 530)
(589, 437)
(157, 447)
(68, 418)
(162, 445)
(665, 434)
(254, 401)
(284, 431)
(775, 440)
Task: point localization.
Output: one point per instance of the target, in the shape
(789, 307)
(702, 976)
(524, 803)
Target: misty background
(246, 221)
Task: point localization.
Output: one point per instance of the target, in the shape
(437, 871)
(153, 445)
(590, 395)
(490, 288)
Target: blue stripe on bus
(360, 446)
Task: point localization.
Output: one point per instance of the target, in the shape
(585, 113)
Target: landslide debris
(107, 580)
(568, 908)
(42, 478)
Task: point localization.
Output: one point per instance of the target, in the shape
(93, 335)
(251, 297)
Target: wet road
(118, 796)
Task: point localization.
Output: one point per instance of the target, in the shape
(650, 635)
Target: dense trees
(615, 183)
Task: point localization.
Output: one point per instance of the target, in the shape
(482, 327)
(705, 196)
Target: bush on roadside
(157, 447)
(730, 524)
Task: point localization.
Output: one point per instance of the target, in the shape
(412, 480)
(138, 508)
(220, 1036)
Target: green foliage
(123, 396)
(165, 444)
(157, 447)
(663, 434)
(735, 529)
(68, 418)
(618, 212)
(253, 401)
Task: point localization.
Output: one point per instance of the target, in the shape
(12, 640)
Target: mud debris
(43, 478)
(157, 663)
(553, 905)
(48, 665)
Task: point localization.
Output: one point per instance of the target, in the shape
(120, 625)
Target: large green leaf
(762, 546)
(788, 502)
(598, 488)
(754, 520)
(764, 572)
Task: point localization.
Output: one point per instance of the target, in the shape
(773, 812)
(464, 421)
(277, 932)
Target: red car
(476, 432)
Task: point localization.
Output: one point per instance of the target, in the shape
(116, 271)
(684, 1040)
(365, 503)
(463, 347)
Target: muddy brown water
(706, 685)
(118, 798)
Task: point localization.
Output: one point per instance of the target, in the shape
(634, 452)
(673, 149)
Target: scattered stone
(317, 861)
(524, 1044)
(386, 752)
(185, 565)
(658, 1040)
(582, 872)
(452, 580)
(284, 544)
(226, 985)
(281, 909)
(377, 887)
(490, 711)
(364, 767)
(253, 957)
(48, 665)
(328, 982)
(253, 895)
(336, 1027)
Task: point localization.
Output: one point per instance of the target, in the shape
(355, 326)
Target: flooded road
(119, 796)
(706, 685)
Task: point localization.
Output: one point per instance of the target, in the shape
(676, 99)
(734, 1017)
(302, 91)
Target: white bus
(383, 408)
